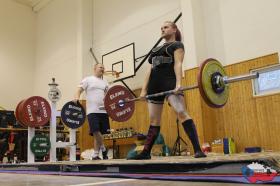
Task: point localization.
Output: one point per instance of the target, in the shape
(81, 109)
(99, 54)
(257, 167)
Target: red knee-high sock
(190, 130)
(151, 137)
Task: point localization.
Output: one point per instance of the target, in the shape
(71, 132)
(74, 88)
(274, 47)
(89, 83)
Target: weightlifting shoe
(144, 155)
(199, 154)
(105, 154)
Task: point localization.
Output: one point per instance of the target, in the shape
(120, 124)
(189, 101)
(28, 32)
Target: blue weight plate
(73, 115)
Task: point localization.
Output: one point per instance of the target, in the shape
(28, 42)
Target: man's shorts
(98, 122)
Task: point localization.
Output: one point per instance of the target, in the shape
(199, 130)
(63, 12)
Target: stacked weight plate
(34, 111)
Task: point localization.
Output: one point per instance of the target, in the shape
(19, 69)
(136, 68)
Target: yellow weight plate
(214, 94)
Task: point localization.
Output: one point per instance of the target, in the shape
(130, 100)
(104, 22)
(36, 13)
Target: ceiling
(35, 5)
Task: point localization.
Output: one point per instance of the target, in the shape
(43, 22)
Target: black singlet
(162, 77)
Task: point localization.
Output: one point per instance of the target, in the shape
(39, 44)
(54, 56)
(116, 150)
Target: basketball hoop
(111, 76)
(112, 73)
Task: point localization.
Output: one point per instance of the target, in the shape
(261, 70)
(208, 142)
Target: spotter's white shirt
(95, 89)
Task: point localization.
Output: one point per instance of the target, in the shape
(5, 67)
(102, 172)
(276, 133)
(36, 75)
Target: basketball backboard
(122, 61)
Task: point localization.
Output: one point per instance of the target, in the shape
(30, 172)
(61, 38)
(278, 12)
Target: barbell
(212, 83)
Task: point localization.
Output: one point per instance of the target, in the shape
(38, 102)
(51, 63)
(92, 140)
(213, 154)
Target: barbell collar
(233, 79)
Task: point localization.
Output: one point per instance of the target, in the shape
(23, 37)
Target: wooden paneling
(269, 120)
(251, 121)
(193, 104)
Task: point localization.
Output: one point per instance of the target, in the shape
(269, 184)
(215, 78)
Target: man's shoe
(105, 154)
(96, 158)
(199, 154)
(142, 156)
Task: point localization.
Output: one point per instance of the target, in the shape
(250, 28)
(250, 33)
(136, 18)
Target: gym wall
(59, 48)
(119, 23)
(209, 28)
(230, 30)
(248, 29)
(66, 29)
(17, 51)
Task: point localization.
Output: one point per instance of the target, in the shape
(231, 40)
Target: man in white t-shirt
(95, 88)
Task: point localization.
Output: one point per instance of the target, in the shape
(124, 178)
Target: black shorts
(98, 122)
(157, 85)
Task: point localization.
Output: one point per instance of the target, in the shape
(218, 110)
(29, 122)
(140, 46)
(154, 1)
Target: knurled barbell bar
(212, 84)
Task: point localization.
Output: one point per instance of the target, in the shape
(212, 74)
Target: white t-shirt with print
(94, 88)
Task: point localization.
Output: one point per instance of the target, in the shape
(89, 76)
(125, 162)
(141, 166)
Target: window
(268, 81)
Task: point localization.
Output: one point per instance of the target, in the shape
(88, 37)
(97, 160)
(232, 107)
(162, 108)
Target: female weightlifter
(165, 73)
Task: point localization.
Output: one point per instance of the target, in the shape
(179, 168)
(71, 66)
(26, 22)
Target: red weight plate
(17, 114)
(35, 111)
(114, 96)
(20, 114)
